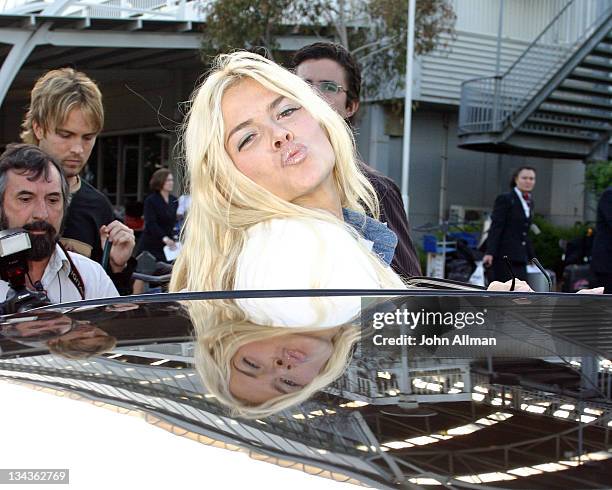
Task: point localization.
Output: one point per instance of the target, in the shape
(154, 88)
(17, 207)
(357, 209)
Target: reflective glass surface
(493, 391)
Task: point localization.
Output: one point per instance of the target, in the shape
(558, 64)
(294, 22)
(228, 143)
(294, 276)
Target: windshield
(453, 387)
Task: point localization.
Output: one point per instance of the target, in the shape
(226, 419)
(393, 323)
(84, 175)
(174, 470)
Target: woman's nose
(281, 136)
(282, 364)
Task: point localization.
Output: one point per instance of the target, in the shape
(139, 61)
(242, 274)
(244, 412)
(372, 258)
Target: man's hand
(123, 242)
(487, 260)
(169, 242)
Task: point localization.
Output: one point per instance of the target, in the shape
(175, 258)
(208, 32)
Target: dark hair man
(333, 71)
(64, 118)
(34, 195)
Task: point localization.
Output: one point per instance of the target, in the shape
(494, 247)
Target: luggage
(575, 277)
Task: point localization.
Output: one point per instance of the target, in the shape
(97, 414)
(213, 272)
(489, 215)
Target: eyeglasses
(327, 87)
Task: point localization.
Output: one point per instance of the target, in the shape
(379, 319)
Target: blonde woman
(273, 181)
(278, 202)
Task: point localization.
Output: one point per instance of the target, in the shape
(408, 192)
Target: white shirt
(184, 202)
(59, 287)
(526, 207)
(299, 253)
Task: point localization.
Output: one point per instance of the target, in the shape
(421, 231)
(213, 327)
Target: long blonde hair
(225, 203)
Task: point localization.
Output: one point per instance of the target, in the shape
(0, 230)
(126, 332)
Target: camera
(14, 246)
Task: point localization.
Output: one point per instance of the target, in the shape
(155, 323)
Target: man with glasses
(332, 70)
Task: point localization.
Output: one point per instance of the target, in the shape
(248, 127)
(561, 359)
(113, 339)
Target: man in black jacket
(601, 263)
(509, 232)
(333, 71)
(64, 118)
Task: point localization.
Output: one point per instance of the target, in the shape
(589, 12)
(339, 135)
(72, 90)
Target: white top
(302, 253)
(526, 208)
(59, 287)
(184, 202)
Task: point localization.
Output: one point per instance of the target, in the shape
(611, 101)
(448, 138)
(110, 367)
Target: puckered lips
(295, 356)
(293, 154)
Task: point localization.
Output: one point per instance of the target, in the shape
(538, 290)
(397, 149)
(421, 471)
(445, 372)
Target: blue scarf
(384, 240)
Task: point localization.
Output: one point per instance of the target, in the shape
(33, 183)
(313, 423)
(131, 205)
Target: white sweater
(303, 253)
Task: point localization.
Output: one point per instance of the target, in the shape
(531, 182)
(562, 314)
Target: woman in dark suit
(509, 232)
(159, 215)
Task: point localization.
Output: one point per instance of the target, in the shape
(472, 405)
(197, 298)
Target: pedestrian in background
(159, 215)
(509, 232)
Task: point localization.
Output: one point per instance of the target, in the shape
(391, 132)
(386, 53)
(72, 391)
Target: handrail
(164, 9)
(544, 31)
(490, 104)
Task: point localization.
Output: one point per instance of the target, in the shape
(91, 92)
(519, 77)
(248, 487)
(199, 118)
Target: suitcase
(575, 277)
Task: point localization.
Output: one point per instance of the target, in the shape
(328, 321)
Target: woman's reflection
(258, 370)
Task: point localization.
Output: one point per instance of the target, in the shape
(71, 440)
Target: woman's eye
(245, 140)
(288, 382)
(287, 112)
(249, 363)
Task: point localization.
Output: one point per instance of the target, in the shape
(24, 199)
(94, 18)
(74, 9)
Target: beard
(43, 245)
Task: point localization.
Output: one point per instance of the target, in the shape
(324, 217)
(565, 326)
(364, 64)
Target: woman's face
(525, 180)
(278, 144)
(168, 184)
(267, 369)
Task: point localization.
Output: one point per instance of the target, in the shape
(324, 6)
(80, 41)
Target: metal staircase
(556, 99)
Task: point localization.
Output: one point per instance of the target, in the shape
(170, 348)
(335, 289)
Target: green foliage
(384, 60)
(598, 177)
(373, 30)
(546, 244)
(243, 24)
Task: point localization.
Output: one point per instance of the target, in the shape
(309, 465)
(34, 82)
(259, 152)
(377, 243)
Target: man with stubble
(64, 118)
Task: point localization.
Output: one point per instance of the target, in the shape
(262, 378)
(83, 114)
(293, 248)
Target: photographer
(34, 195)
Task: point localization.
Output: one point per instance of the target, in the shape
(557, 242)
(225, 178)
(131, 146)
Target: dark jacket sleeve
(602, 244)
(123, 280)
(151, 217)
(405, 260)
(604, 208)
(501, 209)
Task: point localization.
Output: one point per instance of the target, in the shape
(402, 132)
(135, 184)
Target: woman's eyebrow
(238, 128)
(275, 103)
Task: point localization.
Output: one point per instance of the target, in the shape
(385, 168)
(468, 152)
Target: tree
(373, 30)
(243, 24)
(382, 54)
(598, 177)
